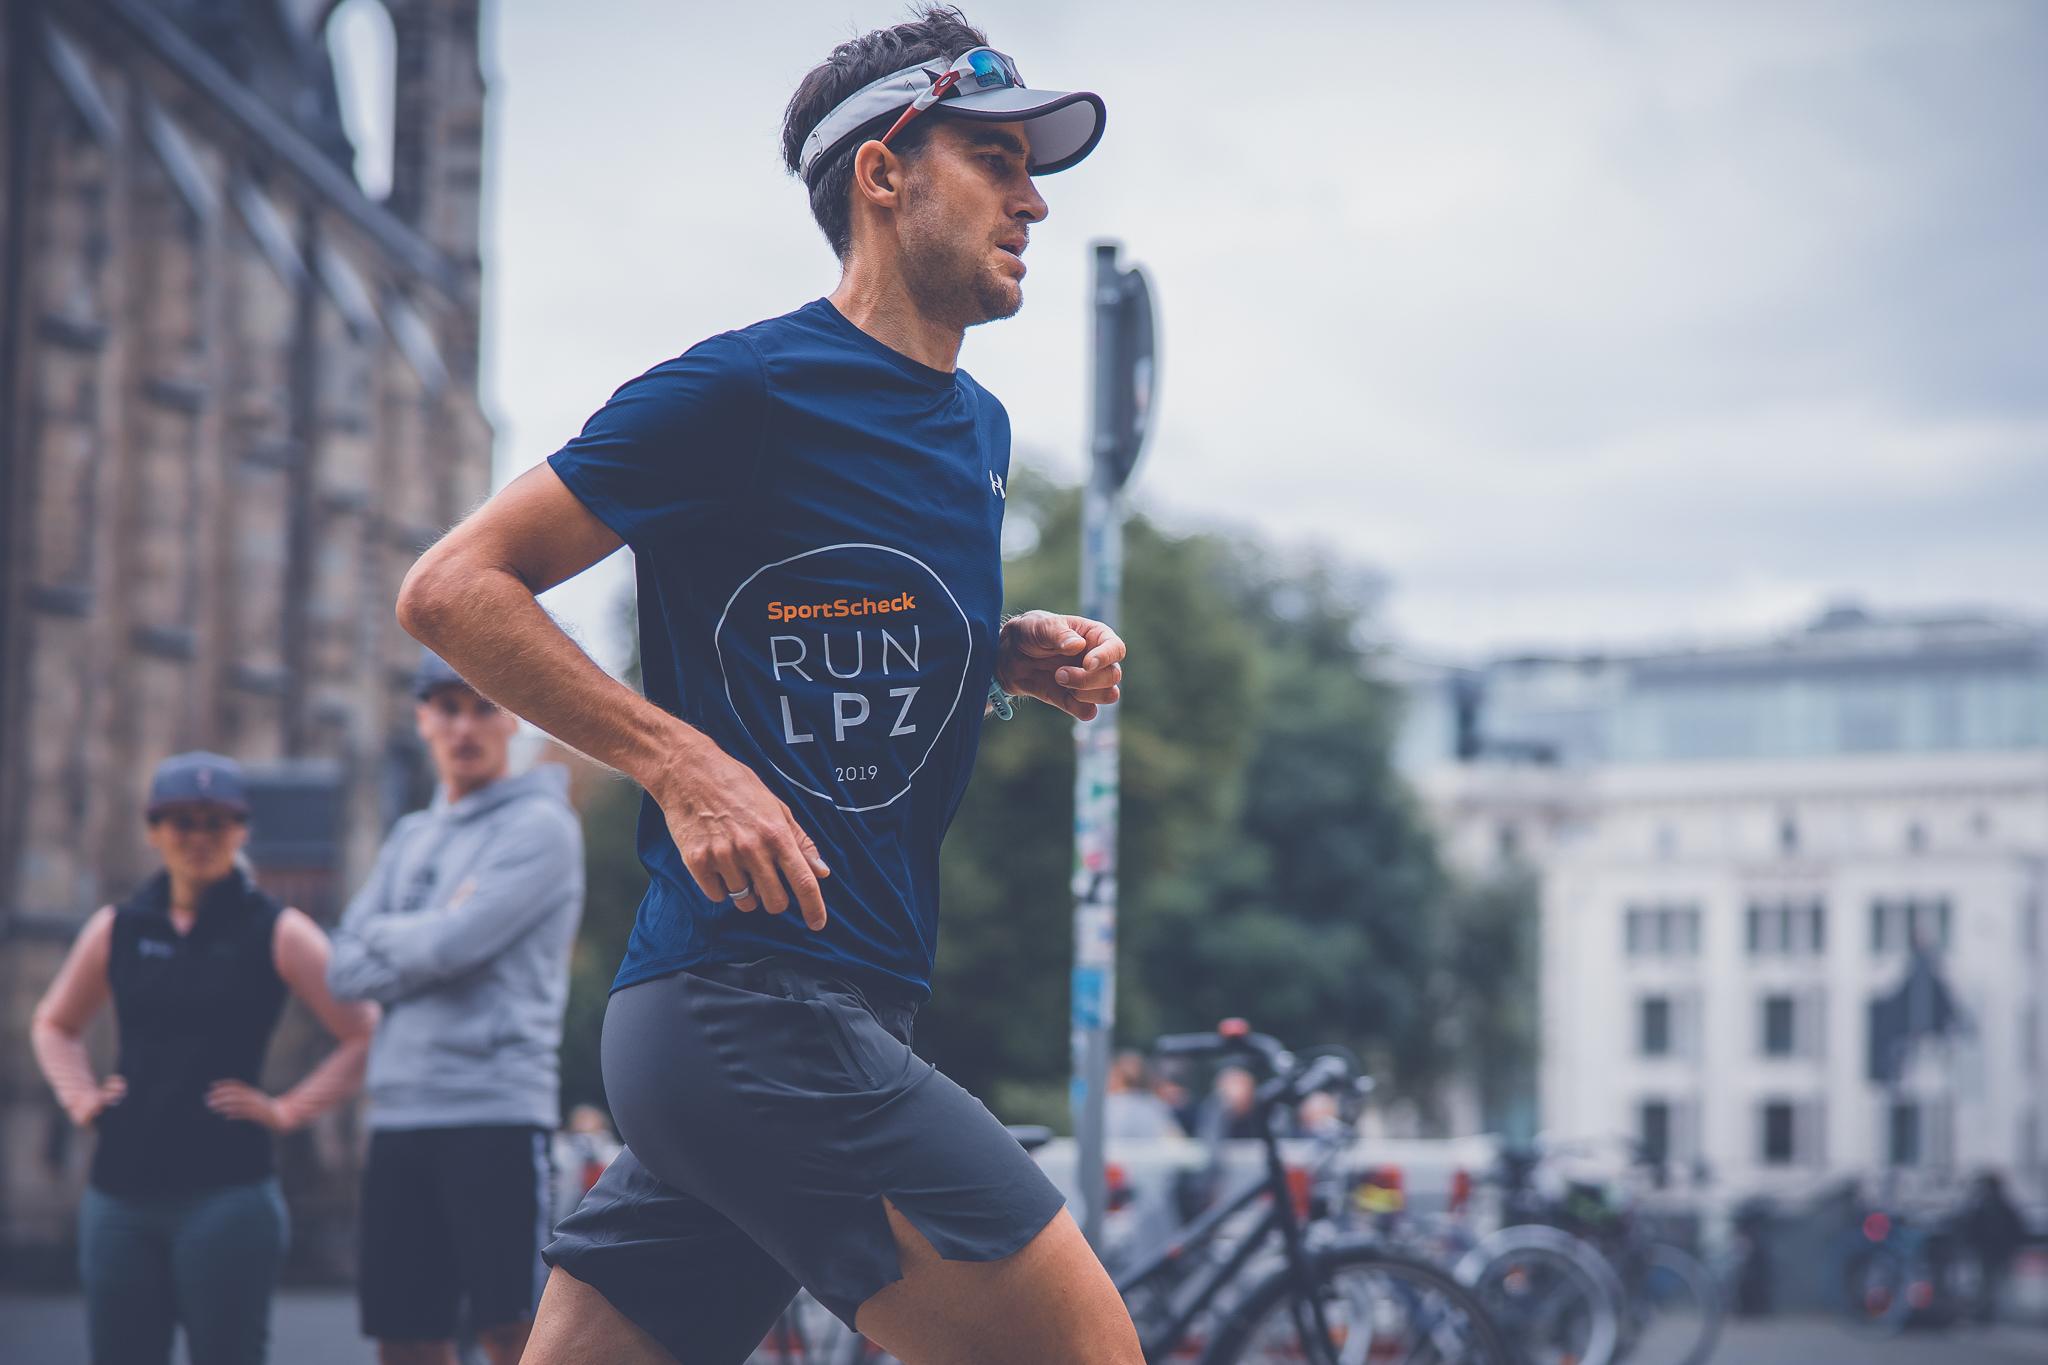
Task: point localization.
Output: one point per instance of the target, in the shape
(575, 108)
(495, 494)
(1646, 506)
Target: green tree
(998, 1017)
(1312, 913)
(1487, 989)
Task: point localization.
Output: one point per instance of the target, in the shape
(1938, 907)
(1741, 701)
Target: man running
(463, 934)
(814, 503)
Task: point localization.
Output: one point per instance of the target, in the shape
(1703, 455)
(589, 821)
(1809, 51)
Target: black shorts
(768, 1112)
(452, 1218)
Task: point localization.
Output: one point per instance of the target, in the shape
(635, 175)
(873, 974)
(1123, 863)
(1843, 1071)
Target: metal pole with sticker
(1124, 370)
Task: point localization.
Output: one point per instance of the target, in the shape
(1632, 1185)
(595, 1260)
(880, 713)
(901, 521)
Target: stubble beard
(951, 281)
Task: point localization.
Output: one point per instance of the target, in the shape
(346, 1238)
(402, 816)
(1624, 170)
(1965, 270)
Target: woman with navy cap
(183, 1224)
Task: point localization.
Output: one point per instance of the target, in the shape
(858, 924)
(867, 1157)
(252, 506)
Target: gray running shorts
(768, 1111)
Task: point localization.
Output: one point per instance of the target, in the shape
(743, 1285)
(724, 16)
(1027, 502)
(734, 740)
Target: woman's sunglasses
(198, 822)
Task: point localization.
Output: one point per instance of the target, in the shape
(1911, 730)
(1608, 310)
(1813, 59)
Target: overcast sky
(1584, 323)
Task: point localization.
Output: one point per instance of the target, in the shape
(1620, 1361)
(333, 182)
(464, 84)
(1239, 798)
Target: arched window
(364, 49)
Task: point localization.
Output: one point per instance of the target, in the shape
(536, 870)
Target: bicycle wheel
(1676, 1310)
(1877, 1287)
(1554, 1296)
(1548, 1305)
(1377, 1309)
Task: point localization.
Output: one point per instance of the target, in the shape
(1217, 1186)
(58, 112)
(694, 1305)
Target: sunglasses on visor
(977, 69)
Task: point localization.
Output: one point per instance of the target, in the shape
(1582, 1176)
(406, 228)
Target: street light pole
(1124, 370)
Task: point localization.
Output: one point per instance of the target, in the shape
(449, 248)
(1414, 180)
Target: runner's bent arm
(471, 599)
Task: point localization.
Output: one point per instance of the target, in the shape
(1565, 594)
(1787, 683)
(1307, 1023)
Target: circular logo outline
(725, 676)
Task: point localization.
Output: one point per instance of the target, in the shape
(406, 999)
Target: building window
(1786, 928)
(1916, 837)
(1661, 930)
(1791, 1023)
(1897, 925)
(1653, 1035)
(1778, 1146)
(1780, 1034)
(2030, 926)
(1903, 1148)
(1788, 835)
(2030, 1037)
(1653, 1131)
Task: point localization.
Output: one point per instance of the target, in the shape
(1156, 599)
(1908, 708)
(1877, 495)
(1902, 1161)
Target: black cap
(433, 674)
(213, 779)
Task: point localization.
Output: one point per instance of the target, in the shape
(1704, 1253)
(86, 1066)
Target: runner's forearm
(484, 620)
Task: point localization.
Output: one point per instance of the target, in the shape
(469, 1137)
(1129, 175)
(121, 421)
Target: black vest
(190, 1010)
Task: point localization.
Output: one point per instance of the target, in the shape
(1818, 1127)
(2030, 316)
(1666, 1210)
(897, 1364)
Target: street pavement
(318, 1327)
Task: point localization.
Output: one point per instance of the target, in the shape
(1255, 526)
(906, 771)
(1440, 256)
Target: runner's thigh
(1050, 1301)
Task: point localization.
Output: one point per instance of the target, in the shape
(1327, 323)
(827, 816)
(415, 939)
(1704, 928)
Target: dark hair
(938, 33)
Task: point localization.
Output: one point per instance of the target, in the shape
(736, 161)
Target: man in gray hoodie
(463, 933)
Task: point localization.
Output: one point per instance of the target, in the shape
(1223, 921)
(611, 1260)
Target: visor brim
(1064, 125)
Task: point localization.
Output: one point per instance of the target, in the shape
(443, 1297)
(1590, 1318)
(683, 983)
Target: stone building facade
(240, 395)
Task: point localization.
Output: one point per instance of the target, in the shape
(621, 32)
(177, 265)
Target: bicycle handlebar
(1231, 1036)
(1289, 1082)
(1320, 1074)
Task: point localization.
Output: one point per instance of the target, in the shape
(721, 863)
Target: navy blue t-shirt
(817, 522)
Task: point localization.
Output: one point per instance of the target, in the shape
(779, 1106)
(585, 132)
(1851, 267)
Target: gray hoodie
(463, 934)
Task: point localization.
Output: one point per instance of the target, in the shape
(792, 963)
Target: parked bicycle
(1898, 1271)
(1578, 1280)
(1552, 1295)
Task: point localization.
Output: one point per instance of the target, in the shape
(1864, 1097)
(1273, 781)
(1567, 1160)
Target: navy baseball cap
(198, 778)
(433, 674)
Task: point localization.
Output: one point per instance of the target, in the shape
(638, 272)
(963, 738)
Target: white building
(1737, 847)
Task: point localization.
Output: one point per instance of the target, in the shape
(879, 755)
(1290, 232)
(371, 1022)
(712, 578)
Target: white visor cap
(1063, 125)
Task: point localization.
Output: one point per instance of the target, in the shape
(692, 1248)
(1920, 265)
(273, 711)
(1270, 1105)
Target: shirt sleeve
(677, 445)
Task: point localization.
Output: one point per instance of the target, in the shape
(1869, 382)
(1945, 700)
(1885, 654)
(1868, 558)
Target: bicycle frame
(1279, 1218)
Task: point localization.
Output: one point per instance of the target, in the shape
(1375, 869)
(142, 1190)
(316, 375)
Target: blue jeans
(207, 1261)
